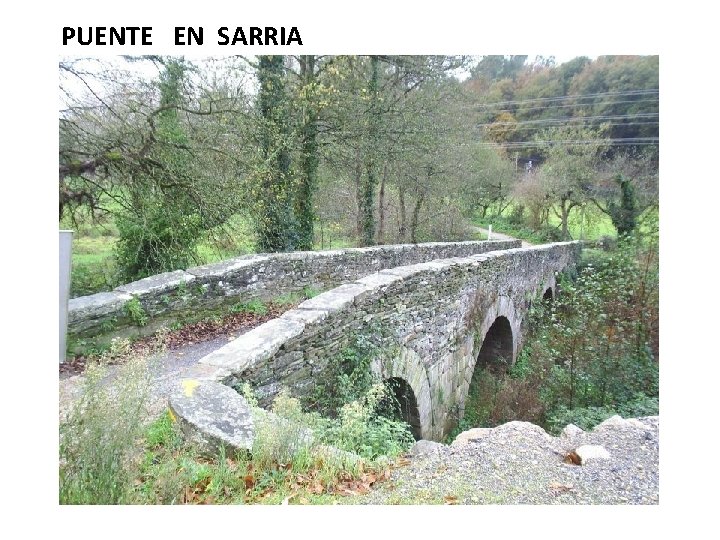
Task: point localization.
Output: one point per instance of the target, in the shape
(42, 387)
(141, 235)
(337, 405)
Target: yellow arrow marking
(190, 385)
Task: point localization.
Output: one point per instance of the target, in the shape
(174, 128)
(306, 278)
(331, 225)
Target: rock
(571, 430)
(327, 452)
(426, 447)
(471, 435)
(588, 452)
(212, 415)
(619, 421)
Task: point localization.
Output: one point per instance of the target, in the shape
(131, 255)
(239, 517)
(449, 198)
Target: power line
(623, 124)
(565, 98)
(570, 119)
(634, 141)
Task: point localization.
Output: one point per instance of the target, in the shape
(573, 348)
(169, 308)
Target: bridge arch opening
(402, 404)
(496, 352)
(494, 359)
(548, 296)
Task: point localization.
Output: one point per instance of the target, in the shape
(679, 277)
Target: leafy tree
(571, 157)
(275, 214)
(626, 187)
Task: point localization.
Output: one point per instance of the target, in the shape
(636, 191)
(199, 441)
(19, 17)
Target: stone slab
(335, 299)
(212, 415)
(159, 283)
(254, 346)
(96, 305)
(220, 269)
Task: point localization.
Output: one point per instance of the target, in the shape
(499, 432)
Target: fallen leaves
(572, 458)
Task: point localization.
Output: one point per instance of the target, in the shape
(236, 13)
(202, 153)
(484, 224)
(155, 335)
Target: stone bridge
(432, 324)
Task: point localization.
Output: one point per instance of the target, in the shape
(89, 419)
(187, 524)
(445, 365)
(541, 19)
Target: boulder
(426, 447)
(212, 415)
(571, 430)
(471, 435)
(589, 452)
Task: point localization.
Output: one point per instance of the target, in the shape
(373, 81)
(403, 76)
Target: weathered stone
(84, 311)
(258, 344)
(157, 284)
(378, 280)
(589, 452)
(260, 276)
(305, 316)
(335, 299)
(212, 415)
(225, 268)
(470, 436)
(571, 430)
(618, 421)
(424, 446)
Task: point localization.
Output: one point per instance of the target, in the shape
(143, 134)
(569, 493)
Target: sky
(683, 35)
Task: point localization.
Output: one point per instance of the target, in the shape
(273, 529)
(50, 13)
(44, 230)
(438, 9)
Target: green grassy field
(93, 257)
(591, 224)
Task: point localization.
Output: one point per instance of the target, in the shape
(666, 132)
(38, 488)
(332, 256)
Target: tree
(275, 213)
(145, 152)
(626, 187)
(571, 157)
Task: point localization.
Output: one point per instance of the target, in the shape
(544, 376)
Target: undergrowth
(590, 354)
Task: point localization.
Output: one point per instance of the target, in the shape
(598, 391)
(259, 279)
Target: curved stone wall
(172, 295)
(428, 319)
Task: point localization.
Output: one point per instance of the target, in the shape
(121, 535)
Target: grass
(93, 254)
(589, 224)
(109, 455)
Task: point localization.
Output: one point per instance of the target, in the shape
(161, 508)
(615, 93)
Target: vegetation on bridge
(213, 159)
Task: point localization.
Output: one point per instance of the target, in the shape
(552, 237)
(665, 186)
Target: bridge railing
(140, 307)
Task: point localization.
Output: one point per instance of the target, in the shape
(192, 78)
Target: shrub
(100, 433)
(588, 417)
(591, 353)
(360, 429)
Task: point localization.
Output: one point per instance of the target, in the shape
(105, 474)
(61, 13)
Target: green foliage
(156, 238)
(310, 292)
(98, 436)
(591, 352)
(135, 312)
(588, 417)
(346, 378)
(254, 306)
(290, 456)
(361, 430)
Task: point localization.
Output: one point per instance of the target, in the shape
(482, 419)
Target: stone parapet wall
(428, 319)
(175, 295)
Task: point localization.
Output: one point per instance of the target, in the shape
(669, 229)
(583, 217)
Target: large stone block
(212, 415)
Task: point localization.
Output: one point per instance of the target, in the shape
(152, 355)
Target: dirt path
(498, 236)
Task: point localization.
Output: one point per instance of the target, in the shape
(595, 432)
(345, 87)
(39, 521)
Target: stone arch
(496, 351)
(405, 404)
(503, 307)
(549, 288)
(408, 366)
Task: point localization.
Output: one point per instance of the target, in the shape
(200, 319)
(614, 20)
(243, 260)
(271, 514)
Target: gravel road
(519, 463)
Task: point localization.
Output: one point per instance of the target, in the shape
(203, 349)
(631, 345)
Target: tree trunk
(367, 195)
(416, 218)
(276, 223)
(308, 159)
(381, 207)
(402, 231)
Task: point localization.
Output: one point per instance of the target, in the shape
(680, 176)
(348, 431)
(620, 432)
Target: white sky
(685, 37)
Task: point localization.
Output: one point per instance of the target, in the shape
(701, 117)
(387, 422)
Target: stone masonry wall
(428, 319)
(187, 293)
